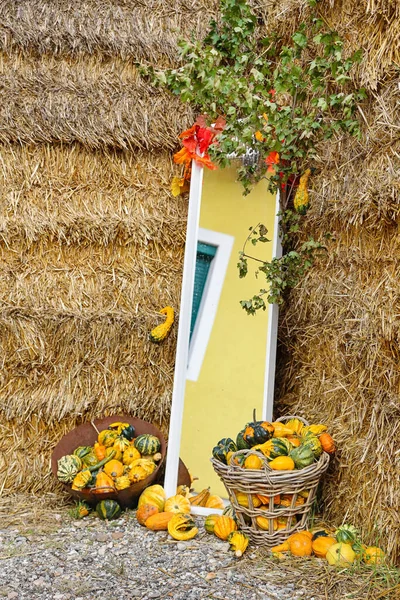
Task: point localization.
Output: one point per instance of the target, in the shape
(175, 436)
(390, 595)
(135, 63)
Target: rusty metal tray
(86, 435)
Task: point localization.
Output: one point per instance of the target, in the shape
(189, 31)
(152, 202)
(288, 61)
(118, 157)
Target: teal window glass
(205, 255)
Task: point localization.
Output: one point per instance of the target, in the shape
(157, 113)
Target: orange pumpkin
(327, 443)
(114, 468)
(104, 484)
(145, 511)
(322, 544)
(159, 521)
(299, 544)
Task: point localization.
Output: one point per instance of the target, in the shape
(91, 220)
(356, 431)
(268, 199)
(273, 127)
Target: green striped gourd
(108, 509)
(147, 444)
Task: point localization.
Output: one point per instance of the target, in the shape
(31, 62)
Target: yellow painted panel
(231, 380)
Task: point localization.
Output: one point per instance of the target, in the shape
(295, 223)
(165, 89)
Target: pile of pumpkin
(288, 446)
(341, 548)
(159, 513)
(115, 461)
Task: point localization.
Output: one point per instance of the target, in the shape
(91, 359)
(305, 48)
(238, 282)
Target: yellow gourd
(373, 556)
(159, 333)
(238, 542)
(301, 199)
(182, 527)
(282, 463)
(177, 504)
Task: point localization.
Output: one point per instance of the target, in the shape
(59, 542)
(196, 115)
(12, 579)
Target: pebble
(121, 559)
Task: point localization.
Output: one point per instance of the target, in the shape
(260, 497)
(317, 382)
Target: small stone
(12, 595)
(57, 517)
(20, 540)
(181, 546)
(102, 537)
(40, 581)
(58, 572)
(117, 535)
(102, 550)
(210, 576)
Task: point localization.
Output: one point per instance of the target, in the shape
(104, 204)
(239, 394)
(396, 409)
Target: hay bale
(340, 329)
(95, 102)
(142, 31)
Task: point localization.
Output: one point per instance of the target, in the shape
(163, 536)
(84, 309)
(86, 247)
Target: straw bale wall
(339, 334)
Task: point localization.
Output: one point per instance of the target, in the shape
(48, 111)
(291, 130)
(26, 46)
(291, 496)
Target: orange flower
(205, 161)
(188, 132)
(272, 159)
(183, 156)
(259, 136)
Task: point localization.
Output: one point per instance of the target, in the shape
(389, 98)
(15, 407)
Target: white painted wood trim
(211, 295)
(182, 347)
(272, 333)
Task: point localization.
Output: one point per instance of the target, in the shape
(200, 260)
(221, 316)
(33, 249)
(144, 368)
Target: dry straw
(89, 100)
(340, 329)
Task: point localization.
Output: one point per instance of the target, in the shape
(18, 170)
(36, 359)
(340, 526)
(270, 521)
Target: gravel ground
(90, 558)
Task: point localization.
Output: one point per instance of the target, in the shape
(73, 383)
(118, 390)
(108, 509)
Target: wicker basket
(301, 484)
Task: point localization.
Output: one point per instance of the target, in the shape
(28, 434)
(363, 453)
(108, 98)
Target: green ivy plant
(280, 98)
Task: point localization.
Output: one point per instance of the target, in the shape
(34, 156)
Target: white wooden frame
(209, 302)
(182, 349)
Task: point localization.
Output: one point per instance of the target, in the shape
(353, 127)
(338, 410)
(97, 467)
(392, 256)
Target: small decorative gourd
(80, 510)
(321, 545)
(253, 462)
(154, 494)
(114, 468)
(238, 542)
(311, 440)
(258, 432)
(83, 451)
(177, 504)
(148, 465)
(159, 521)
(104, 484)
(122, 482)
(130, 454)
(221, 450)
(224, 526)
(67, 467)
(136, 474)
(303, 456)
(340, 555)
(145, 511)
(215, 501)
(81, 479)
(301, 199)
(280, 430)
(159, 333)
(373, 555)
(201, 498)
(182, 527)
(295, 425)
(299, 544)
(107, 437)
(210, 521)
(121, 443)
(283, 463)
(147, 444)
(108, 509)
(100, 450)
(327, 443)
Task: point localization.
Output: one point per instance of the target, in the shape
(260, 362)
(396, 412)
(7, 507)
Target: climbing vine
(281, 98)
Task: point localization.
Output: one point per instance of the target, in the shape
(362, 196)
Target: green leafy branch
(281, 273)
